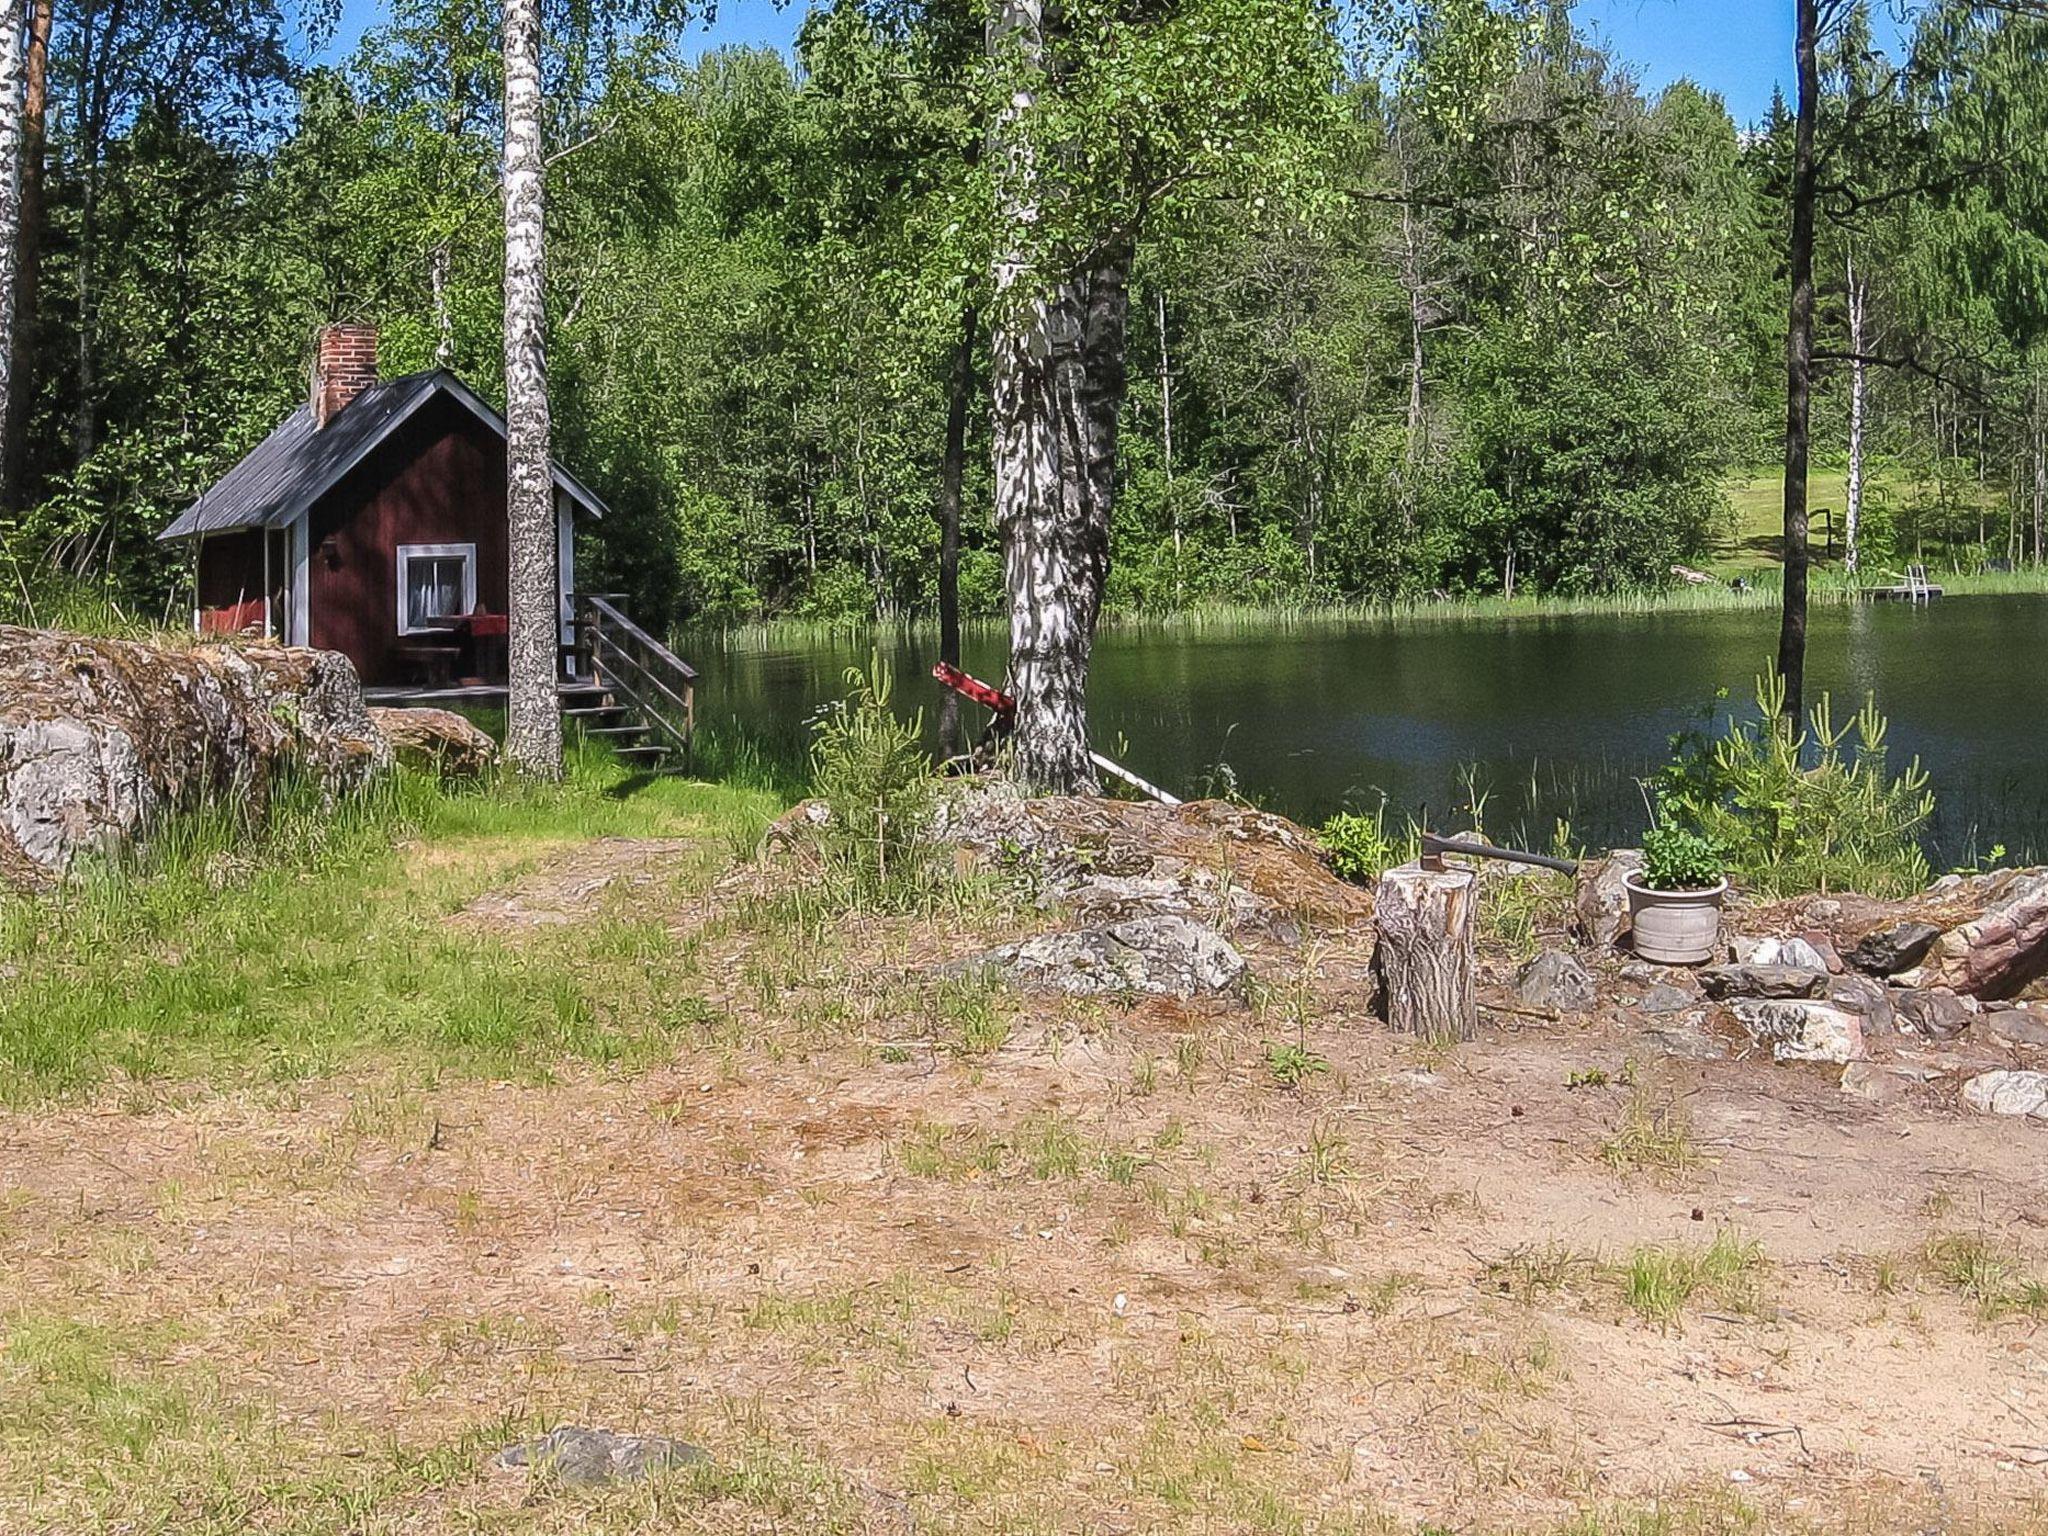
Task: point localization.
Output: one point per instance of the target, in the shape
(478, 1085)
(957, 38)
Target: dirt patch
(903, 1254)
(572, 886)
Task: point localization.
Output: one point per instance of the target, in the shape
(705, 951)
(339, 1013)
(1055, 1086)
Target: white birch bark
(13, 95)
(533, 728)
(1037, 390)
(1853, 516)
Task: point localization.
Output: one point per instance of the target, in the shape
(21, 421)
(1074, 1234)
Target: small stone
(1555, 981)
(1800, 955)
(1802, 1031)
(1687, 1044)
(1867, 998)
(1933, 1012)
(2009, 1093)
(1892, 950)
(1823, 946)
(581, 1458)
(1665, 998)
(1868, 1080)
(1639, 972)
(1823, 909)
(1764, 980)
(1602, 898)
(2017, 1026)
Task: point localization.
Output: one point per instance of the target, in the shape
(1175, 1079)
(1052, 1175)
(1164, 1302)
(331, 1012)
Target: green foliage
(1291, 1063)
(1797, 811)
(1469, 309)
(1678, 859)
(1359, 847)
(870, 769)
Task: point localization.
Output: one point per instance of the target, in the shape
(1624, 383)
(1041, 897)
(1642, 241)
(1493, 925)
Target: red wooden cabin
(372, 522)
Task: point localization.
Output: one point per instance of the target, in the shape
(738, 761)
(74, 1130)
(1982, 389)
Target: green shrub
(1795, 811)
(1677, 859)
(1358, 846)
(871, 770)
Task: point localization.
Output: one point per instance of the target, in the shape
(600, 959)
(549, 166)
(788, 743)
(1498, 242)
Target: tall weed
(870, 768)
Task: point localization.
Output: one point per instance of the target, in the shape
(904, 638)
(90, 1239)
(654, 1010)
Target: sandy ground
(1110, 1275)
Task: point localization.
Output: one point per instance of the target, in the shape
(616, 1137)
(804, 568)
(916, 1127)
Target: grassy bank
(1762, 590)
(295, 948)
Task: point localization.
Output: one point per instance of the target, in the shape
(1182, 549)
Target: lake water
(1551, 716)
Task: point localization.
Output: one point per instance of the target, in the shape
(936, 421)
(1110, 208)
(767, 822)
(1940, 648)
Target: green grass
(1660, 1283)
(1757, 499)
(295, 946)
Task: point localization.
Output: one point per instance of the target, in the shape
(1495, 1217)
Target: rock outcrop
(99, 739)
(437, 741)
(1159, 956)
(1238, 867)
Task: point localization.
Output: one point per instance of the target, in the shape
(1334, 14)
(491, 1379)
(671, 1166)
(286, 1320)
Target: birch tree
(1106, 119)
(533, 732)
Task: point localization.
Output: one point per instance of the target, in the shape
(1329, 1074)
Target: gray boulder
(1802, 1031)
(1892, 950)
(583, 1458)
(102, 739)
(1162, 956)
(2009, 1093)
(1760, 980)
(1555, 981)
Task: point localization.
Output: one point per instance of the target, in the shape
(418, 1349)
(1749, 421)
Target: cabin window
(436, 584)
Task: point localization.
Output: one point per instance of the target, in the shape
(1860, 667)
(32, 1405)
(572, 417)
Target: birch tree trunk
(1043, 412)
(533, 729)
(1853, 514)
(13, 96)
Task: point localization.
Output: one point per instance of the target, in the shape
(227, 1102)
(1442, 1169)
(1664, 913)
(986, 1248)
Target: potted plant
(1674, 904)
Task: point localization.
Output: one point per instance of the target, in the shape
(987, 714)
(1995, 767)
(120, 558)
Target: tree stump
(1426, 955)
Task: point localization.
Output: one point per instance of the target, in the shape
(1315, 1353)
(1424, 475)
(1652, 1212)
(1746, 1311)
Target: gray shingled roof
(293, 467)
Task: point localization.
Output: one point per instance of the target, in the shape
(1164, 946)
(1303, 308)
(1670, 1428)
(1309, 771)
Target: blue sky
(1739, 48)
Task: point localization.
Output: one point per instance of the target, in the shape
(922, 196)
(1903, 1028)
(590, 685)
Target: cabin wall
(439, 479)
(230, 582)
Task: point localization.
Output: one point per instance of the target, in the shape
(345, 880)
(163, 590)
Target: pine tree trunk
(1854, 512)
(952, 476)
(533, 731)
(13, 96)
(24, 334)
(1799, 367)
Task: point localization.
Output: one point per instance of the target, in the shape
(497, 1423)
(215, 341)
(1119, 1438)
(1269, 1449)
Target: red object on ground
(974, 688)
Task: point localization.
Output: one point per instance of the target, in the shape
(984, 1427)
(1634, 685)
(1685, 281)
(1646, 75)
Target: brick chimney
(344, 365)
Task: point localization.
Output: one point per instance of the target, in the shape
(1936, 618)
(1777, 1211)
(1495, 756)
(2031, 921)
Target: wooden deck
(1921, 594)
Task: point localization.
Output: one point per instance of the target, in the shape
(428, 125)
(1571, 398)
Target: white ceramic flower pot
(1675, 927)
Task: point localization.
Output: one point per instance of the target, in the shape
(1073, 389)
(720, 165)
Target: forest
(1435, 300)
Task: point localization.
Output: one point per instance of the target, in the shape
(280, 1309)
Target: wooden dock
(1912, 587)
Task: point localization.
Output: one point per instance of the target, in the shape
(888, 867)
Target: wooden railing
(637, 668)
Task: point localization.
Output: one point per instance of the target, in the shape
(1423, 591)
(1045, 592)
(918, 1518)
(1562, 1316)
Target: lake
(1549, 716)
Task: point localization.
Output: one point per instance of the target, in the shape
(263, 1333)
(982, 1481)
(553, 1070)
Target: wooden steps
(626, 689)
